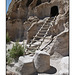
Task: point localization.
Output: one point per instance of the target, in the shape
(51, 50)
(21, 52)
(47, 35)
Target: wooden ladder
(41, 34)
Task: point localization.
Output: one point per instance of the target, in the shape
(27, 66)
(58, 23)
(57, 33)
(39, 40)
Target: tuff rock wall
(17, 23)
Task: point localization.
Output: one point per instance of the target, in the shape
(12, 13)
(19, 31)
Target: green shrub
(17, 51)
(8, 59)
(7, 38)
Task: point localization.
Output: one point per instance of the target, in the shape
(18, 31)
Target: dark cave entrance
(49, 0)
(28, 2)
(54, 11)
(38, 2)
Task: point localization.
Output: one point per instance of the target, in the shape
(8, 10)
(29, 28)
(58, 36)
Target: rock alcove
(38, 2)
(54, 11)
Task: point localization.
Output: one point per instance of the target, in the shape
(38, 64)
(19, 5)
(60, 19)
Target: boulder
(11, 71)
(25, 65)
(41, 61)
(64, 65)
(60, 44)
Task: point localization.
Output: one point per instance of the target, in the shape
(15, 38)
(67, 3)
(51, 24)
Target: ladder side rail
(38, 32)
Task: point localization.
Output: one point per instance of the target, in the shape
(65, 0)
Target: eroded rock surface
(64, 63)
(25, 65)
(41, 61)
(61, 44)
(24, 18)
(20, 10)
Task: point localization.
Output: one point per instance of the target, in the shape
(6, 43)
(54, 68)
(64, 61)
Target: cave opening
(38, 2)
(49, 0)
(28, 2)
(54, 11)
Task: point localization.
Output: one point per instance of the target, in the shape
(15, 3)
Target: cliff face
(26, 18)
(19, 15)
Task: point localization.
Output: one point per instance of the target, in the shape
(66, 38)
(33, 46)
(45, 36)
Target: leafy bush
(7, 38)
(8, 59)
(17, 51)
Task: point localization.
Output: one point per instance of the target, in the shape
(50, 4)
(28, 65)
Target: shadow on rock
(52, 70)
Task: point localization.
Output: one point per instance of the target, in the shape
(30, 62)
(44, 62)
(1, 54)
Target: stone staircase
(41, 34)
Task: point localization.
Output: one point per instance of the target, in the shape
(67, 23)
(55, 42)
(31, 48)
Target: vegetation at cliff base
(7, 38)
(16, 51)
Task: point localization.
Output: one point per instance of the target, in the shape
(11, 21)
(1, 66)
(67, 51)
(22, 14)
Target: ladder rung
(38, 40)
(33, 48)
(33, 41)
(47, 38)
(38, 37)
(35, 44)
(43, 31)
(41, 34)
(44, 28)
(46, 25)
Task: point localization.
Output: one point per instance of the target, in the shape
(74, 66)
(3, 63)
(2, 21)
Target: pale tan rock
(35, 26)
(61, 44)
(64, 69)
(11, 71)
(41, 61)
(25, 66)
(17, 9)
(22, 9)
(15, 29)
(45, 8)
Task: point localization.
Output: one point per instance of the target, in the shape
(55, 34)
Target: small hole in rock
(54, 11)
